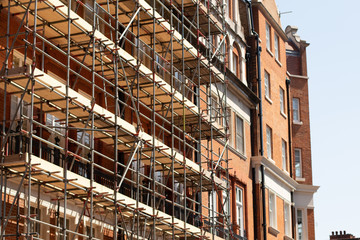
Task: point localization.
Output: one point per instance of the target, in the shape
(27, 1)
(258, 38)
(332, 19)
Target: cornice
(257, 161)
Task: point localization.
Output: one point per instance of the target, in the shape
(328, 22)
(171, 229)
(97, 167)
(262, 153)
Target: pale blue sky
(332, 29)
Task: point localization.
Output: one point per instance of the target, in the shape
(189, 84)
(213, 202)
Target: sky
(332, 29)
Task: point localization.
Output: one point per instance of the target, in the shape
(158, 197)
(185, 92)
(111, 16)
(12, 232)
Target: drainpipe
(258, 53)
(258, 50)
(289, 125)
(290, 155)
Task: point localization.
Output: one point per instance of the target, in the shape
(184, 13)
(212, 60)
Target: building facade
(153, 119)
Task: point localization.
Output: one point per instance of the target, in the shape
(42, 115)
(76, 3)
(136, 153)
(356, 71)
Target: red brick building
(153, 119)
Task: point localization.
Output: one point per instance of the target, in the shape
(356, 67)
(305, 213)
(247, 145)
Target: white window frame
(283, 154)
(269, 142)
(240, 210)
(276, 46)
(234, 7)
(239, 135)
(268, 36)
(267, 84)
(296, 109)
(282, 100)
(303, 216)
(225, 203)
(287, 219)
(298, 160)
(212, 204)
(272, 210)
(51, 120)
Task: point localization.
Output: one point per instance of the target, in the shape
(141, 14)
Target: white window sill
(269, 51)
(283, 114)
(268, 99)
(300, 179)
(241, 155)
(297, 122)
(273, 231)
(288, 238)
(278, 62)
(272, 161)
(286, 172)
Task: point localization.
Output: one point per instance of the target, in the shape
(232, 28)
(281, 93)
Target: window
(84, 138)
(226, 202)
(88, 14)
(283, 155)
(268, 33)
(276, 43)
(231, 132)
(287, 219)
(272, 210)
(88, 11)
(54, 121)
(212, 204)
(296, 110)
(215, 110)
(159, 65)
(269, 142)
(18, 59)
(228, 7)
(35, 226)
(88, 231)
(282, 101)
(61, 225)
(239, 134)
(235, 64)
(299, 224)
(267, 84)
(298, 167)
(25, 109)
(239, 210)
(233, 12)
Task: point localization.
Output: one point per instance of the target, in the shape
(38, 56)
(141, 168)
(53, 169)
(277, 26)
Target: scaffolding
(112, 108)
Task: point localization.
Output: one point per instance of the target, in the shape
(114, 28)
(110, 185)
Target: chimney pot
(336, 233)
(340, 232)
(332, 233)
(344, 232)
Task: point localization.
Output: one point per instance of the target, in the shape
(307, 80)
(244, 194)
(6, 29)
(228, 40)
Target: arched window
(236, 66)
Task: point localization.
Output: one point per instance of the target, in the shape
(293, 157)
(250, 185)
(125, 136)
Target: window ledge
(278, 62)
(269, 51)
(300, 179)
(297, 122)
(241, 155)
(283, 114)
(272, 161)
(273, 231)
(268, 99)
(288, 238)
(286, 172)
